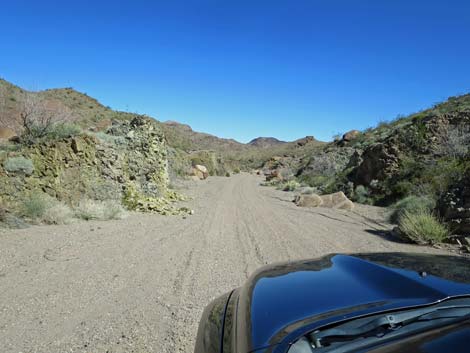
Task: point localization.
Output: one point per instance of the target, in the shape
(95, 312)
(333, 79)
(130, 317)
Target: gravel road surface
(140, 284)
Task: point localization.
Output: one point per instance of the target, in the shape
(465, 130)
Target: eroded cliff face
(127, 163)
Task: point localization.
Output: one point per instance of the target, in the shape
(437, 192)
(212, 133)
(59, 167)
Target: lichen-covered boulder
(130, 160)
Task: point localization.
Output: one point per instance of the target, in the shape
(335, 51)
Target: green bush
(19, 165)
(362, 195)
(411, 204)
(40, 207)
(316, 180)
(422, 227)
(290, 185)
(227, 174)
(35, 206)
(64, 130)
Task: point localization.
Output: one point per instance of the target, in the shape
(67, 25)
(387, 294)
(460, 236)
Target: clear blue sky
(245, 68)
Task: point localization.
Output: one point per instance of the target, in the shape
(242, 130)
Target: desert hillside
(201, 213)
(60, 147)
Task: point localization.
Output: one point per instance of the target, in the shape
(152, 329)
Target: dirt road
(140, 284)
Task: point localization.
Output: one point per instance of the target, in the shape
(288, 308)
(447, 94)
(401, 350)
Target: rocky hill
(265, 142)
(418, 161)
(64, 155)
(65, 150)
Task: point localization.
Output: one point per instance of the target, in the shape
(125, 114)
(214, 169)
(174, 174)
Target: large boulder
(337, 200)
(351, 135)
(312, 200)
(200, 172)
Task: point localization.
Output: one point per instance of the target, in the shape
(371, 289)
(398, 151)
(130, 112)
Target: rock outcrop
(378, 162)
(454, 206)
(130, 165)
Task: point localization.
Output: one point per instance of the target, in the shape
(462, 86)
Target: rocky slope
(423, 155)
(95, 155)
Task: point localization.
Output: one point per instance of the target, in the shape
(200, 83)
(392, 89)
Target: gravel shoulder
(140, 284)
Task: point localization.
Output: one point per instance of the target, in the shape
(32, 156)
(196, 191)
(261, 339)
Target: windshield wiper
(380, 325)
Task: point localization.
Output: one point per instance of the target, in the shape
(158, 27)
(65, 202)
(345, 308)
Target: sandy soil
(140, 284)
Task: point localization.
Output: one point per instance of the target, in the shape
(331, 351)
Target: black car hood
(282, 300)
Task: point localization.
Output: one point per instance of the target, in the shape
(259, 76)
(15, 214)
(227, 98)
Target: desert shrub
(290, 185)
(315, 180)
(286, 174)
(19, 165)
(236, 170)
(307, 190)
(411, 204)
(99, 210)
(57, 213)
(10, 147)
(63, 130)
(445, 173)
(113, 210)
(227, 174)
(362, 195)
(35, 206)
(457, 141)
(273, 182)
(422, 227)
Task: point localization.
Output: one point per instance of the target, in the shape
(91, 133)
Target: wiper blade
(390, 322)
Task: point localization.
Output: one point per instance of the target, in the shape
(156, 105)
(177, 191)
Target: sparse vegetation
(99, 210)
(35, 206)
(306, 190)
(57, 213)
(422, 227)
(64, 130)
(19, 165)
(362, 195)
(290, 185)
(411, 204)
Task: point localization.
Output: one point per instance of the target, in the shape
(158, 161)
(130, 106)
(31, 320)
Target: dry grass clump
(57, 213)
(40, 207)
(411, 204)
(99, 210)
(422, 227)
